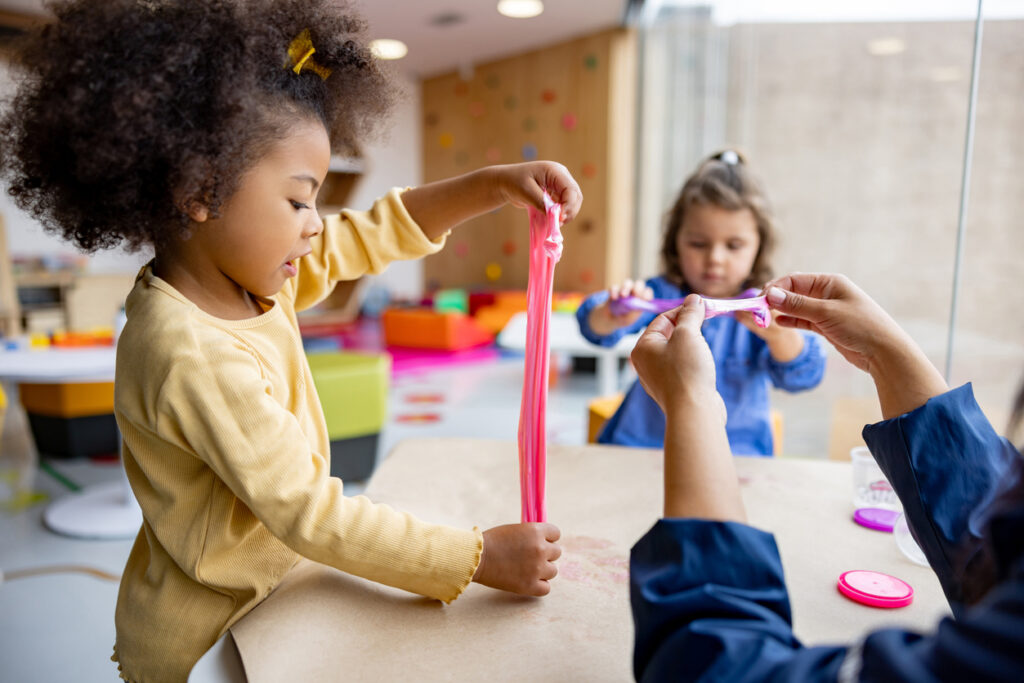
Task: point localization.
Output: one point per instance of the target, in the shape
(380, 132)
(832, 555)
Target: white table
(564, 336)
(101, 511)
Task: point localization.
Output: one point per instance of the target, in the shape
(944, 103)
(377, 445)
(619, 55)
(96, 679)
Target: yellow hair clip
(300, 54)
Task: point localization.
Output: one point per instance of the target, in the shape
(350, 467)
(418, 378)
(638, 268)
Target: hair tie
(729, 157)
(300, 54)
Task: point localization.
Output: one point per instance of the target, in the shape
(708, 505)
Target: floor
(60, 627)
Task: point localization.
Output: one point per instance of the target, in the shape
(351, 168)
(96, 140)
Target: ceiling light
(386, 48)
(885, 47)
(520, 9)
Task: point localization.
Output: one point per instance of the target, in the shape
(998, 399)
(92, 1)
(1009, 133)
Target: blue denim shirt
(744, 368)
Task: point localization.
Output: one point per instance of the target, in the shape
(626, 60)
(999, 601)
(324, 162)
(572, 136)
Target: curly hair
(724, 179)
(127, 111)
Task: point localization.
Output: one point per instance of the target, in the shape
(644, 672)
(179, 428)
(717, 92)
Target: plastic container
(870, 487)
(906, 543)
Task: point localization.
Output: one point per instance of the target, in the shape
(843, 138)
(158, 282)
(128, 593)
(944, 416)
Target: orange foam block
(426, 329)
(74, 399)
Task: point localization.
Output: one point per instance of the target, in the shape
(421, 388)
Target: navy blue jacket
(700, 615)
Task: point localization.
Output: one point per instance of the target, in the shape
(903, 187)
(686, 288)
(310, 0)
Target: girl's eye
(735, 245)
(298, 205)
(697, 245)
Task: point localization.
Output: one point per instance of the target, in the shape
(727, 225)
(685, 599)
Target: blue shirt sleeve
(709, 598)
(803, 372)
(945, 462)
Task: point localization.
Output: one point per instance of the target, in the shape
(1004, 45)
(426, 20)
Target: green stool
(353, 390)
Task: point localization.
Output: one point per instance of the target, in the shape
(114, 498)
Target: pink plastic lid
(876, 518)
(875, 589)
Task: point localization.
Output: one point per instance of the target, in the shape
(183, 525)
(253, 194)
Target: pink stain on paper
(545, 251)
(747, 301)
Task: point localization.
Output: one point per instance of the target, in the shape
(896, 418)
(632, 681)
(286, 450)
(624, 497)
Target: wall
(573, 103)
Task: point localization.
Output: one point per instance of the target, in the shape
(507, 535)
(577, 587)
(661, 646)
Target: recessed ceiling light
(885, 47)
(386, 48)
(520, 9)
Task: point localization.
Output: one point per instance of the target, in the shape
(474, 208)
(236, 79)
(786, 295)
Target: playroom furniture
(10, 311)
(603, 499)
(71, 419)
(573, 102)
(101, 511)
(353, 390)
(565, 337)
(424, 328)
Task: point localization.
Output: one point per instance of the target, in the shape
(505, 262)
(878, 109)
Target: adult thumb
(691, 314)
(795, 305)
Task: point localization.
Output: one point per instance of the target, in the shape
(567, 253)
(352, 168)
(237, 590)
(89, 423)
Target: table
(319, 621)
(564, 336)
(101, 511)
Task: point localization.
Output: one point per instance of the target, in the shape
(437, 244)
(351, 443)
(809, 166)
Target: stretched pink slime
(747, 301)
(545, 251)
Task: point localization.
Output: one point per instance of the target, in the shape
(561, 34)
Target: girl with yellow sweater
(204, 130)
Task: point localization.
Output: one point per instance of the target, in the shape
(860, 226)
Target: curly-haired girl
(204, 129)
(717, 243)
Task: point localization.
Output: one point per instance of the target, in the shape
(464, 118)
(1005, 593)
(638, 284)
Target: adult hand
(862, 332)
(838, 310)
(519, 558)
(673, 360)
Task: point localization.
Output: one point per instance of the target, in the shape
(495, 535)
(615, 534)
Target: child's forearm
(600, 320)
(439, 206)
(785, 345)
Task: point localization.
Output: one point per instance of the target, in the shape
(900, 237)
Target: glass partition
(854, 115)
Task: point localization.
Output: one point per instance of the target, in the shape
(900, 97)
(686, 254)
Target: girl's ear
(197, 211)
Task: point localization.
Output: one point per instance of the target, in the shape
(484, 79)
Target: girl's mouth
(290, 269)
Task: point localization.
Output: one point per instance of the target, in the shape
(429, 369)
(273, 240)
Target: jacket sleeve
(919, 452)
(354, 243)
(803, 372)
(710, 603)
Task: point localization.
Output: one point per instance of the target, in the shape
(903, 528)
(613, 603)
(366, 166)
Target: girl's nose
(717, 254)
(314, 226)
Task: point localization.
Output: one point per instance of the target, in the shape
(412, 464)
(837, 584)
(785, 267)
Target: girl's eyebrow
(314, 183)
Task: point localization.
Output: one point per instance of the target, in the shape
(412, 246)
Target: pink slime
(747, 301)
(545, 251)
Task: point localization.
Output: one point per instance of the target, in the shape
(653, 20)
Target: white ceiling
(483, 34)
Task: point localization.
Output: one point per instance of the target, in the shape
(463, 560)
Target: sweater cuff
(465, 554)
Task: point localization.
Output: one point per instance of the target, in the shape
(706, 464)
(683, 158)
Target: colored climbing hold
(569, 121)
(493, 155)
(589, 169)
(548, 95)
(461, 249)
(590, 62)
(529, 152)
(511, 102)
(446, 140)
(477, 109)
(493, 272)
(509, 247)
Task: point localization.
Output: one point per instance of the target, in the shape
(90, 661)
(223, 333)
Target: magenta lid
(876, 518)
(875, 589)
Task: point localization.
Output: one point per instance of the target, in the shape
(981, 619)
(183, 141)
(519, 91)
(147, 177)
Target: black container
(74, 437)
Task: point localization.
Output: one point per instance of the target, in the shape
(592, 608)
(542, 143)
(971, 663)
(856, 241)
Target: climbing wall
(572, 103)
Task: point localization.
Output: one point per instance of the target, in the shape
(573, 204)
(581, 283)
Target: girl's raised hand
(519, 558)
(524, 185)
(601, 318)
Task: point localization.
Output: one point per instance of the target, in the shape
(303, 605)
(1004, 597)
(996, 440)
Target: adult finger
(796, 305)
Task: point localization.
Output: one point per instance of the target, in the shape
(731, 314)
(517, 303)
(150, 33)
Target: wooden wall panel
(572, 103)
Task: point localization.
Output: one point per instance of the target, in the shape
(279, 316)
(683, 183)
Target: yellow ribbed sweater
(227, 452)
